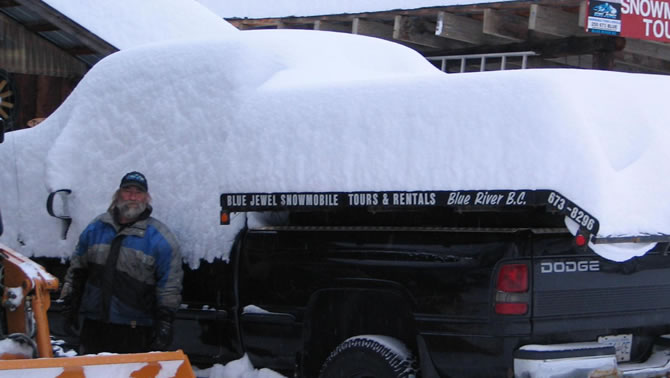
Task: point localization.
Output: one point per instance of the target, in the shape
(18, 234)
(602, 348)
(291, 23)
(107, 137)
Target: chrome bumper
(589, 359)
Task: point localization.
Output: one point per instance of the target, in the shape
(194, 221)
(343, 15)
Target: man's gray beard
(128, 212)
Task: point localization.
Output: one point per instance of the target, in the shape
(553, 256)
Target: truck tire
(368, 356)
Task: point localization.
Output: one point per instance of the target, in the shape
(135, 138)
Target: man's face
(132, 202)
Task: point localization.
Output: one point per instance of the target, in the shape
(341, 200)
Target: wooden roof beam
(554, 21)
(8, 3)
(41, 27)
(640, 63)
(372, 28)
(505, 25)
(650, 49)
(418, 31)
(332, 26)
(52, 16)
(285, 24)
(79, 50)
(460, 28)
(464, 29)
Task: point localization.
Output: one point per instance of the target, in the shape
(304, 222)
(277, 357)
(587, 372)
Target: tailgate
(576, 290)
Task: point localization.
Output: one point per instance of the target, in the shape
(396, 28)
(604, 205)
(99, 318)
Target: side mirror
(57, 206)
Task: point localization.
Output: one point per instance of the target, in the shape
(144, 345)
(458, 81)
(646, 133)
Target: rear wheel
(370, 356)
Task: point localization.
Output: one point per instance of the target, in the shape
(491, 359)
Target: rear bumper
(586, 360)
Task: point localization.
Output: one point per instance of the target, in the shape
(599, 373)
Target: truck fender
(334, 314)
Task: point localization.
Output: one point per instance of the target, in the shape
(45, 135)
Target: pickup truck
(405, 284)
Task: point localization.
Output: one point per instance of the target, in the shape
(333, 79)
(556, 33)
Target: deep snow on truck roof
(306, 111)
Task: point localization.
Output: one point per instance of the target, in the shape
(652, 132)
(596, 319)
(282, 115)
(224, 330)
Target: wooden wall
(42, 74)
(39, 95)
(23, 51)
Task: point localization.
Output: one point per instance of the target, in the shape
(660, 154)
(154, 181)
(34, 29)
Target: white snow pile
(306, 111)
(15, 347)
(129, 23)
(241, 368)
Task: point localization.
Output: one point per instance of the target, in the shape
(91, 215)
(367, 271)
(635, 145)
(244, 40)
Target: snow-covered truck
(444, 283)
(345, 208)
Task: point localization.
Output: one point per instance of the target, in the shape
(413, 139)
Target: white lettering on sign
(655, 13)
(236, 200)
(411, 199)
(308, 200)
(458, 198)
(363, 199)
(658, 27)
(646, 8)
(263, 200)
(484, 198)
(513, 199)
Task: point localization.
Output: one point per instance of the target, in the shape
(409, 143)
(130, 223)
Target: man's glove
(71, 294)
(71, 316)
(162, 336)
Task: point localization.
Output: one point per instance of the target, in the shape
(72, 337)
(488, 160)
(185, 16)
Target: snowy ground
(241, 368)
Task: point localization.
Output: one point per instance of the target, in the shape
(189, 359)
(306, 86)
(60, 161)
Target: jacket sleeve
(75, 278)
(169, 273)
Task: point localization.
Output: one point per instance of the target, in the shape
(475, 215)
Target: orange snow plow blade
(26, 299)
(26, 282)
(142, 365)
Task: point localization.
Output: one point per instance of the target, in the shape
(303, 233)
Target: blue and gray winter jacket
(126, 273)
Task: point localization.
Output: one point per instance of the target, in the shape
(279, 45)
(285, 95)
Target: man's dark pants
(97, 337)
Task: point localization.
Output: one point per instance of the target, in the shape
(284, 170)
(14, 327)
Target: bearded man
(125, 277)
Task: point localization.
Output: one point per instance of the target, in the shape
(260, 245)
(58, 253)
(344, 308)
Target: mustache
(131, 209)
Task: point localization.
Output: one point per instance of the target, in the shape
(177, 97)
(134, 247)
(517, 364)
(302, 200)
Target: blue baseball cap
(136, 179)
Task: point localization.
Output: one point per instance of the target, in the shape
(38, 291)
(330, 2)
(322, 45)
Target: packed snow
(303, 8)
(241, 368)
(307, 111)
(129, 23)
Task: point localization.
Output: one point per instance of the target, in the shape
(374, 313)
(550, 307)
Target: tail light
(512, 290)
(580, 240)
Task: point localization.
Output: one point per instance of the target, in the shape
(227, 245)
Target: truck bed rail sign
(398, 200)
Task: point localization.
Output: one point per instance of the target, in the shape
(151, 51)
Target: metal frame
(482, 59)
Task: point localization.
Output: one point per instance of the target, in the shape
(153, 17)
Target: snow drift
(292, 111)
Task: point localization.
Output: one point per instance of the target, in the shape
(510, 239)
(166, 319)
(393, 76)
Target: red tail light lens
(513, 278)
(512, 290)
(511, 308)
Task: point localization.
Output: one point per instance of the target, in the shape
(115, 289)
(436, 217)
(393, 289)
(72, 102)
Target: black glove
(71, 294)
(162, 333)
(71, 316)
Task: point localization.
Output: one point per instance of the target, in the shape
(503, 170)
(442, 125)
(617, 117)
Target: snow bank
(241, 368)
(288, 110)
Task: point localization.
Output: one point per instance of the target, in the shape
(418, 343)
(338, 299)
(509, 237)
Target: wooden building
(549, 33)
(43, 55)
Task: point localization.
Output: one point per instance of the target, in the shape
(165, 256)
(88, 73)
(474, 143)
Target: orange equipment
(26, 287)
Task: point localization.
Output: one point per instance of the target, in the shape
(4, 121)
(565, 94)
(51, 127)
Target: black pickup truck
(429, 284)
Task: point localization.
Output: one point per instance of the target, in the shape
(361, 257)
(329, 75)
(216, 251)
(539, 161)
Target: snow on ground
(300, 8)
(128, 23)
(302, 111)
(241, 368)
